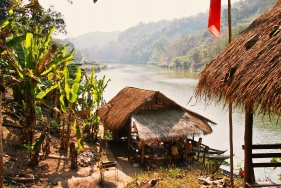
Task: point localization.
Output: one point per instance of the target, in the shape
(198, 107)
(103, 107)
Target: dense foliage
(46, 83)
(180, 43)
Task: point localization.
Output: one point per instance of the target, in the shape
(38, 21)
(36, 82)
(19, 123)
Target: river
(179, 86)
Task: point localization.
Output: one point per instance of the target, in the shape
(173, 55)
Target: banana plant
(34, 150)
(34, 60)
(91, 92)
(39, 59)
(68, 100)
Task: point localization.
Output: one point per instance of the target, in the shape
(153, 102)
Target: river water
(179, 86)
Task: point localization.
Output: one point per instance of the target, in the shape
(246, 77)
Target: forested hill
(180, 43)
(94, 39)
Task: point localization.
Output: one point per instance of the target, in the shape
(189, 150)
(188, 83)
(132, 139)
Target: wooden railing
(265, 164)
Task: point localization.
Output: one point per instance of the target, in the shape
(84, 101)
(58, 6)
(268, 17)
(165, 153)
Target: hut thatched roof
(151, 109)
(248, 70)
(168, 124)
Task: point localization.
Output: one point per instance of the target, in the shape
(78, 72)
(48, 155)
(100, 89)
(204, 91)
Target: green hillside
(181, 43)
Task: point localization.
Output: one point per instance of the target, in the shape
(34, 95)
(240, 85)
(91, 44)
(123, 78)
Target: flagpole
(230, 104)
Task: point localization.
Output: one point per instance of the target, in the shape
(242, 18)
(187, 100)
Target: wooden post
(204, 156)
(129, 141)
(73, 156)
(231, 143)
(142, 153)
(230, 104)
(248, 140)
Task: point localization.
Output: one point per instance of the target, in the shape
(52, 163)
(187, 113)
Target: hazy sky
(84, 16)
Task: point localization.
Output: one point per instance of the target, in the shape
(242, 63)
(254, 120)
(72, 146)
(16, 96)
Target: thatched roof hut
(249, 69)
(156, 116)
(168, 124)
(247, 72)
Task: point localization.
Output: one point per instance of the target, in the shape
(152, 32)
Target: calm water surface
(179, 86)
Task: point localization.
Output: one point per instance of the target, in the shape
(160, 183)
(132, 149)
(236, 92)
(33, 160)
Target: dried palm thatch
(152, 110)
(168, 125)
(248, 70)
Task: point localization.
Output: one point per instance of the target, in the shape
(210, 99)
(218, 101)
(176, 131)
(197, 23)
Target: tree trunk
(62, 135)
(1, 146)
(17, 93)
(248, 142)
(29, 123)
(34, 159)
(73, 156)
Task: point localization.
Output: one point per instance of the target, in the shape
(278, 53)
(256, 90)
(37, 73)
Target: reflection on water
(179, 86)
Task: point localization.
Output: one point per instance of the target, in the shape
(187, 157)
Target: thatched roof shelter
(247, 72)
(168, 124)
(249, 69)
(156, 116)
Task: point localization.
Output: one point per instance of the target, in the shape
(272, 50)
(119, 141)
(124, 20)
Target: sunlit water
(179, 86)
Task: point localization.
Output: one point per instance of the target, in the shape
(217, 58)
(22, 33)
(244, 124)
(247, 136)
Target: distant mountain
(94, 39)
(180, 43)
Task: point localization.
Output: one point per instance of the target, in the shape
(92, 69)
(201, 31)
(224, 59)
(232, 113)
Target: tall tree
(4, 6)
(33, 15)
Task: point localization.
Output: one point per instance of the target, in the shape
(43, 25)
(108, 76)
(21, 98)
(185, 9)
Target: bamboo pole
(230, 104)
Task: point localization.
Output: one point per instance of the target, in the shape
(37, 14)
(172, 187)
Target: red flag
(214, 23)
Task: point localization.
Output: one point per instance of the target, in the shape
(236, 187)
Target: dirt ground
(55, 173)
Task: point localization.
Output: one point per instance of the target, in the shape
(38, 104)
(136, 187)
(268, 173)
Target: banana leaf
(4, 24)
(20, 55)
(44, 51)
(36, 146)
(28, 56)
(53, 65)
(48, 104)
(13, 41)
(42, 94)
(29, 147)
(93, 76)
(96, 120)
(17, 67)
(38, 142)
(78, 135)
(29, 73)
(66, 84)
(97, 93)
(38, 111)
(80, 145)
(85, 123)
(74, 92)
(75, 87)
(63, 50)
(48, 38)
(62, 103)
(78, 76)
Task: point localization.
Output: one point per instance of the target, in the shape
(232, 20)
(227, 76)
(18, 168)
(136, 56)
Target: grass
(168, 178)
(175, 178)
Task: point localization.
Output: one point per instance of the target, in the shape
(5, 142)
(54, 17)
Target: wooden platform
(272, 184)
